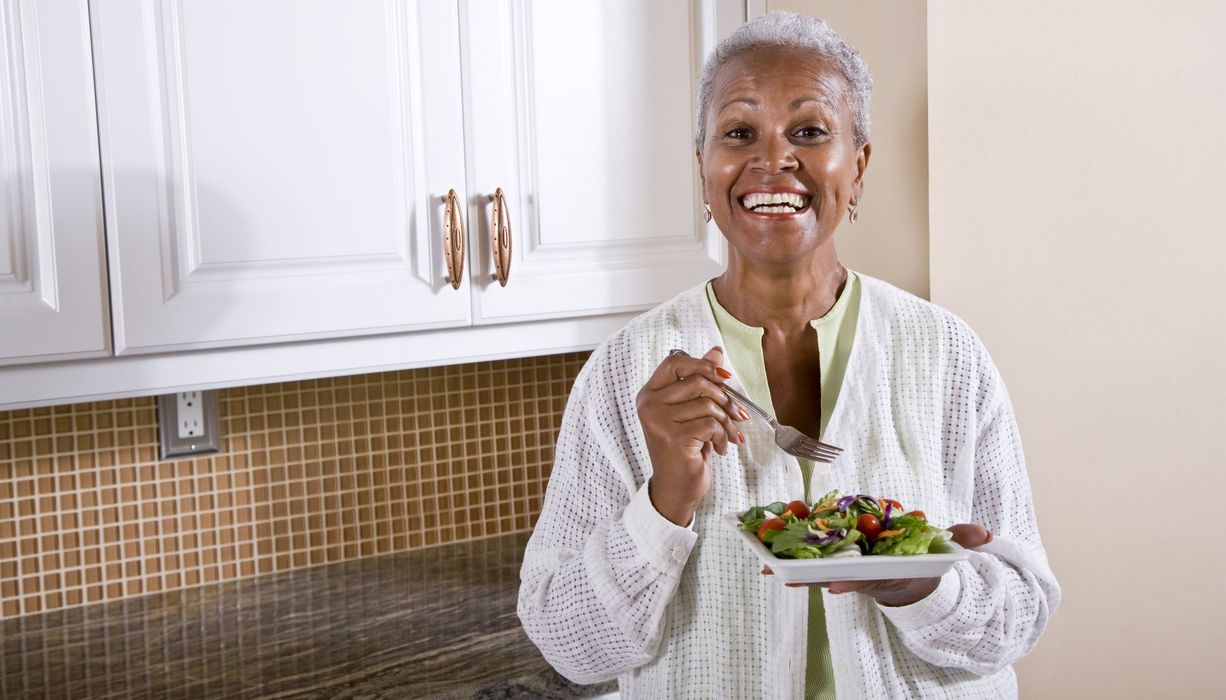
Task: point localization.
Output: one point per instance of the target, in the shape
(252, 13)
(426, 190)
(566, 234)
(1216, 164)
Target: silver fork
(789, 439)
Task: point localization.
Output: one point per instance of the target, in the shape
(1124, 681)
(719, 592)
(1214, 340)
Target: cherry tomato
(918, 514)
(798, 508)
(772, 524)
(869, 525)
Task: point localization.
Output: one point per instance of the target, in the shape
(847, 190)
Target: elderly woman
(631, 571)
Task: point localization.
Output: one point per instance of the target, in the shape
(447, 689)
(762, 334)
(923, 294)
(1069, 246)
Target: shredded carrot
(889, 533)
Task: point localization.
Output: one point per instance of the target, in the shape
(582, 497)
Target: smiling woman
(631, 571)
(781, 158)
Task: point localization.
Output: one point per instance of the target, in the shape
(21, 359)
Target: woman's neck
(780, 298)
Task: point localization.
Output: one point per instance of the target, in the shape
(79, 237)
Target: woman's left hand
(905, 591)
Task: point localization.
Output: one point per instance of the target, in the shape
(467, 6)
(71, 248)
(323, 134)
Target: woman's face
(779, 127)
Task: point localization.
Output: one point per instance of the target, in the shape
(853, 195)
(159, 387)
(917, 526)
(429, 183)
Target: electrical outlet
(189, 423)
(190, 416)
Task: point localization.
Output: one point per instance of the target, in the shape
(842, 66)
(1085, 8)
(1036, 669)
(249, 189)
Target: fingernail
(723, 373)
(744, 415)
(741, 437)
(989, 536)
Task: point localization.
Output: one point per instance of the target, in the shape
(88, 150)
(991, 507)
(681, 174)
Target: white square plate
(865, 568)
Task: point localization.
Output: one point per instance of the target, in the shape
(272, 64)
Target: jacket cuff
(929, 610)
(666, 545)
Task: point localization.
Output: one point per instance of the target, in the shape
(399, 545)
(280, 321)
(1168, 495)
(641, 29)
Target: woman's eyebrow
(820, 101)
(753, 104)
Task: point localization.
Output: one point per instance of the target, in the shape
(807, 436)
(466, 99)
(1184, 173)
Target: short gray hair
(787, 29)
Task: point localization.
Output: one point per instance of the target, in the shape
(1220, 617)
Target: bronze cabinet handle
(453, 239)
(500, 238)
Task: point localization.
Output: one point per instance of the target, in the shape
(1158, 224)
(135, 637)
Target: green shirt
(743, 347)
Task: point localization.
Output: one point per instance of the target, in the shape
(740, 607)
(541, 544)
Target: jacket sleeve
(602, 564)
(988, 611)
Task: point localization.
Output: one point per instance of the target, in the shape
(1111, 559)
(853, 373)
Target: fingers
(715, 355)
(695, 388)
(837, 587)
(708, 430)
(677, 368)
(700, 409)
(766, 571)
(970, 535)
(683, 401)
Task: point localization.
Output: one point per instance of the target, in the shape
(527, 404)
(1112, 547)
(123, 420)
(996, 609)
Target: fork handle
(753, 407)
(736, 395)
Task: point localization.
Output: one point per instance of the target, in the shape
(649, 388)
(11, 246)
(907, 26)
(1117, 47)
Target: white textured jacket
(610, 588)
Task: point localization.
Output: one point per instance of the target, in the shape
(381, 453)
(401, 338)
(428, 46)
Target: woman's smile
(775, 203)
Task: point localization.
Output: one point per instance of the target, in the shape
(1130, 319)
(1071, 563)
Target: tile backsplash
(310, 472)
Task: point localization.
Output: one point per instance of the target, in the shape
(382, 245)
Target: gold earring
(706, 215)
(852, 214)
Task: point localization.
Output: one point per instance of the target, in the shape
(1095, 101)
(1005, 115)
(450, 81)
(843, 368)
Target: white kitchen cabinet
(581, 112)
(53, 302)
(275, 170)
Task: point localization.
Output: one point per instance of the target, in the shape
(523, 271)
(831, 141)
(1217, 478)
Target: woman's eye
(810, 132)
(738, 133)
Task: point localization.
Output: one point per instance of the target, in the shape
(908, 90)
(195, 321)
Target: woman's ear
(702, 176)
(861, 165)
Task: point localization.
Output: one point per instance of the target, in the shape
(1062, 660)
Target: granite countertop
(437, 623)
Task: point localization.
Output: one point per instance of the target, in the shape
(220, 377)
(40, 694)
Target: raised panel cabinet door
(582, 114)
(53, 303)
(277, 170)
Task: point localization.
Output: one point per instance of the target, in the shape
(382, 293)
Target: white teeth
(769, 202)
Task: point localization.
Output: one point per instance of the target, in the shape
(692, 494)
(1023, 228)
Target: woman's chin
(777, 246)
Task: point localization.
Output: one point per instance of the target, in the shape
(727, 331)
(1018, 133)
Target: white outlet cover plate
(189, 423)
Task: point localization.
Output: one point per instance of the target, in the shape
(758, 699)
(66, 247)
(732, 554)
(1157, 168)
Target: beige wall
(1078, 171)
(890, 240)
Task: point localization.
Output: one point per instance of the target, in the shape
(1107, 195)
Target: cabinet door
(276, 170)
(582, 113)
(52, 286)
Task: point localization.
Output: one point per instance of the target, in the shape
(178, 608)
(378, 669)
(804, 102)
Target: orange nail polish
(723, 372)
(744, 415)
(740, 437)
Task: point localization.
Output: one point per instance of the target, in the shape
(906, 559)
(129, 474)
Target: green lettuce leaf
(790, 542)
(915, 541)
(753, 518)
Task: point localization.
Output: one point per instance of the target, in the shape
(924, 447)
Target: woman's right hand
(685, 415)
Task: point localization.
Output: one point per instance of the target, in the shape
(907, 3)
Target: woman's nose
(775, 155)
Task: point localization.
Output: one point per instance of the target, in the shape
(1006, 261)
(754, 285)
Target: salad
(842, 526)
